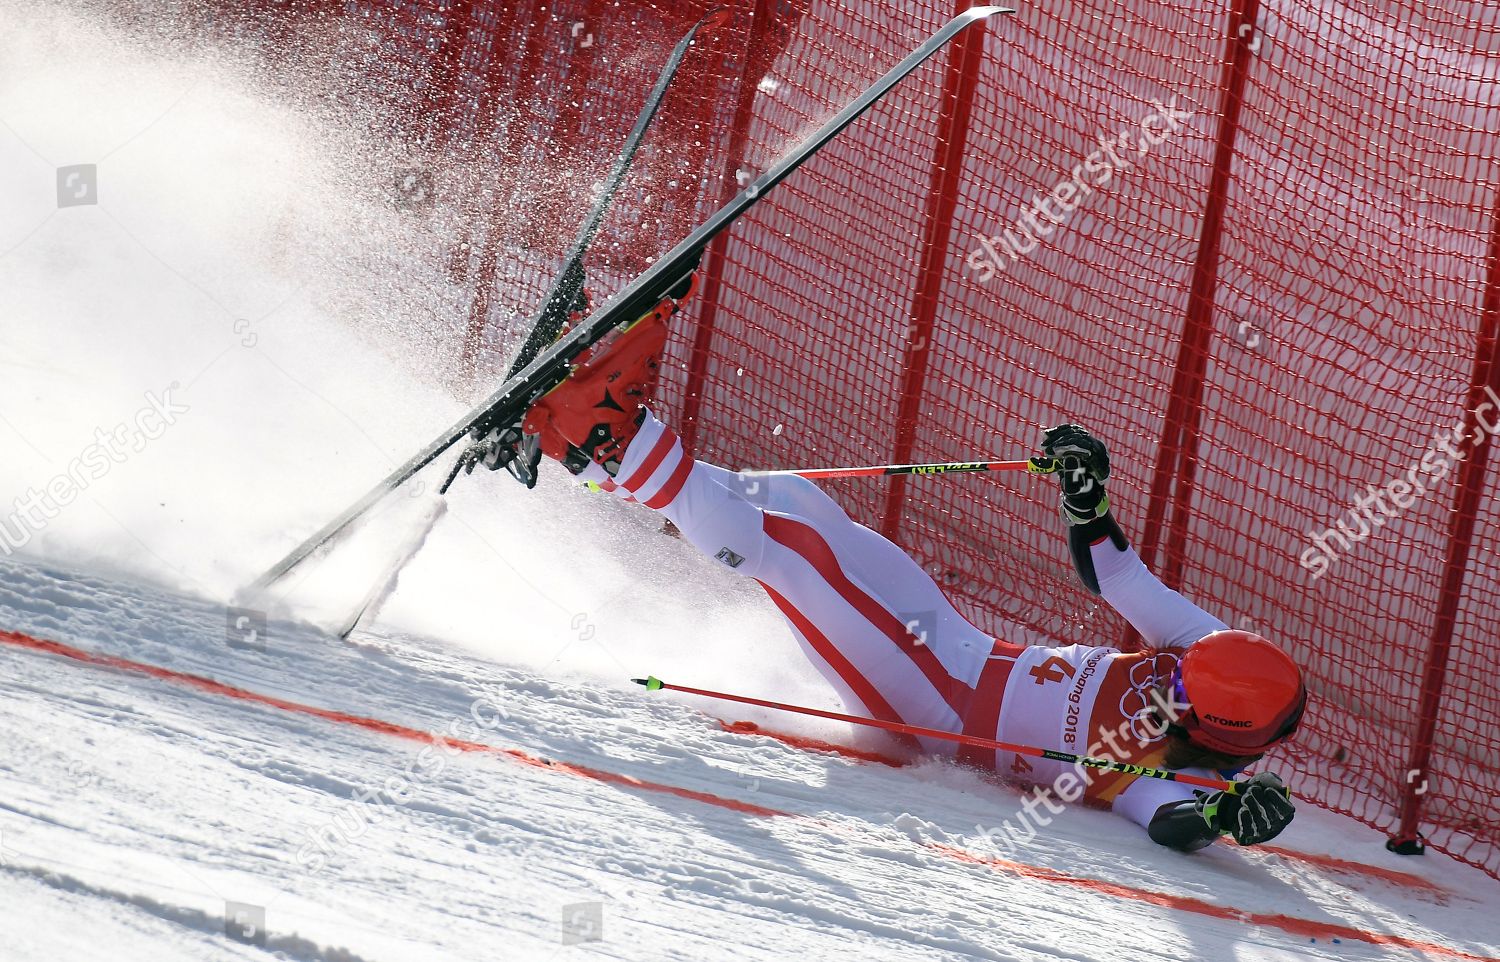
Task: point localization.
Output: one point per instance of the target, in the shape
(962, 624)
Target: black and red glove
(1258, 812)
(1081, 463)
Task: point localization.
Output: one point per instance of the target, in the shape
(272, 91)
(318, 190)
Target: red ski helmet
(1244, 694)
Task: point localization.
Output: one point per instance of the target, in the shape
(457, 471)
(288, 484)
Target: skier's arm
(1166, 810)
(1178, 817)
(1164, 618)
(1179, 825)
(1105, 562)
(1257, 813)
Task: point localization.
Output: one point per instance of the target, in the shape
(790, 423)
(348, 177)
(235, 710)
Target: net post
(1176, 456)
(714, 258)
(488, 273)
(960, 80)
(1471, 486)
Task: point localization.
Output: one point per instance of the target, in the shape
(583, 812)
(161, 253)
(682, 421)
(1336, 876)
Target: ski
(552, 365)
(385, 585)
(566, 296)
(567, 290)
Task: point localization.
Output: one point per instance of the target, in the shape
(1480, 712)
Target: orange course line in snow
(1285, 923)
(370, 724)
(1334, 864)
(1183, 903)
(807, 744)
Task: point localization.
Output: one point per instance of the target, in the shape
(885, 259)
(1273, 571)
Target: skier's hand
(1081, 463)
(1257, 813)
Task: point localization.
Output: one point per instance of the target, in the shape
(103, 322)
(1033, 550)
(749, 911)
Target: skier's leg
(883, 568)
(867, 614)
(864, 611)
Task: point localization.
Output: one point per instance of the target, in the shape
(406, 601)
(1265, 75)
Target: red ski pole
(880, 470)
(653, 683)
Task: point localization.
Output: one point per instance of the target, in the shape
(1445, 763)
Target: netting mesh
(1273, 286)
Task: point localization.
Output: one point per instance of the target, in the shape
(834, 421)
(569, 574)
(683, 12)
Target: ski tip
(651, 683)
(717, 18)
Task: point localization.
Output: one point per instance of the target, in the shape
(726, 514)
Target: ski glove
(1257, 813)
(1081, 463)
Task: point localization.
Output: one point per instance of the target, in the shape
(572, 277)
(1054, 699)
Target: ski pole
(1040, 466)
(652, 683)
(879, 470)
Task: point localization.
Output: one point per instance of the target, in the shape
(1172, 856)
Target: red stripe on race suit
(658, 453)
(805, 541)
(868, 695)
(673, 486)
(1292, 925)
(983, 717)
(608, 486)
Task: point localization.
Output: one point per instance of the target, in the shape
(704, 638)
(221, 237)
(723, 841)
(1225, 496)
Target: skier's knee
(730, 532)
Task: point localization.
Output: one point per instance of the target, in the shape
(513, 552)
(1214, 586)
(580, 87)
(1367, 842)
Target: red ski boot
(595, 413)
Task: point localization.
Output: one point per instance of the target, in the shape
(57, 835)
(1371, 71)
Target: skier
(1200, 698)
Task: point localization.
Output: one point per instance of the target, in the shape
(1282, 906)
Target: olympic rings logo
(1136, 704)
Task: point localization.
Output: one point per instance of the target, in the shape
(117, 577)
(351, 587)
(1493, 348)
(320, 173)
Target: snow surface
(134, 808)
(242, 249)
